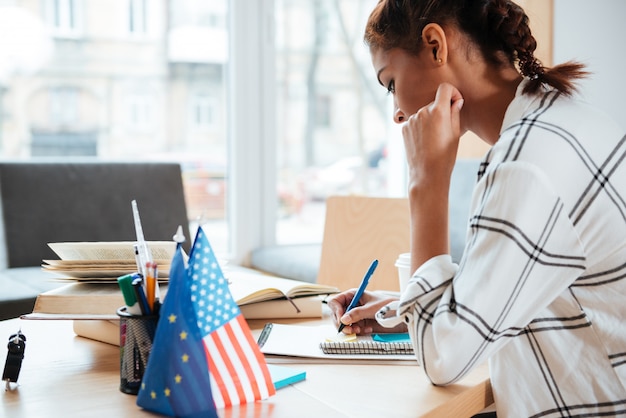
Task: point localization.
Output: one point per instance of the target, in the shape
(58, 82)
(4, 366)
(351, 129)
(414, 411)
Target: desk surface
(64, 375)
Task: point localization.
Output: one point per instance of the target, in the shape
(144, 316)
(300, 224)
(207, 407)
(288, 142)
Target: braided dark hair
(500, 28)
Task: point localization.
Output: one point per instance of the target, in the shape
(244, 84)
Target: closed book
(79, 301)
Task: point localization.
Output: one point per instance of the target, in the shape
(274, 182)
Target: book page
(248, 287)
(118, 250)
(304, 307)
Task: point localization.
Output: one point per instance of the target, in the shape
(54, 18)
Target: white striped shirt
(541, 288)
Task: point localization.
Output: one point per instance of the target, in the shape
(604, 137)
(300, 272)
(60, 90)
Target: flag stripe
(240, 365)
(252, 388)
(225, 372)
(260, 376)
(219, 400)
(216, 370)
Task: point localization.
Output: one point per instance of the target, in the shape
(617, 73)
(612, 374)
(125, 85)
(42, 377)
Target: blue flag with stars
(203, 355)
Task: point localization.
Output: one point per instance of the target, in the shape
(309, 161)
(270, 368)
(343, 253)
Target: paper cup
(403, 263)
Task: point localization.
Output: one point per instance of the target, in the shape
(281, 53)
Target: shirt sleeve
(522, 251)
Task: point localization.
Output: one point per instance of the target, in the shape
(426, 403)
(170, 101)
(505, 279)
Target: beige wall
(540, 13)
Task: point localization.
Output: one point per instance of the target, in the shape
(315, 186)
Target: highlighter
(130, 298)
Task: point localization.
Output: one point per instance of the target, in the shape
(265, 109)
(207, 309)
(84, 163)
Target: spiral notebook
(367, 346)
(291, 343)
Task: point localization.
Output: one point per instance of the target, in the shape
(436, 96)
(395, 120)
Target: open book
(250, 286)
(104, 261)
(110, 250)
(259, 296)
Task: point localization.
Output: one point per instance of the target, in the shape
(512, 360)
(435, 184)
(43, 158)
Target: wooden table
(64, 375)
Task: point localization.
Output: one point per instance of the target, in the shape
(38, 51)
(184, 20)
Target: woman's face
(412, 79)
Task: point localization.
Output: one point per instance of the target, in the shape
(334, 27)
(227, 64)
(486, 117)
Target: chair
(357, 230)
(44, 202)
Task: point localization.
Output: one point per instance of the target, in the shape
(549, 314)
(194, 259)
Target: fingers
(338, 304)
(431, 136)
(449, 97)
(355, 315)
(359, 320)
(449, 100)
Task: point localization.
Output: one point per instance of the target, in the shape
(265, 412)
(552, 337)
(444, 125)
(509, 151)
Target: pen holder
(136, 336)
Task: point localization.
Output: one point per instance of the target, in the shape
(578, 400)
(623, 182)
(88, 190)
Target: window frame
(252, 197)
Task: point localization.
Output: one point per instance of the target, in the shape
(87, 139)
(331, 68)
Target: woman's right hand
(431, 136)
(360, 319)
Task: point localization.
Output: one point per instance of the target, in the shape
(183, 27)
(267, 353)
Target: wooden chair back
(357, 230)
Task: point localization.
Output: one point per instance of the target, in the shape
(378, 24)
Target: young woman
(540, 289)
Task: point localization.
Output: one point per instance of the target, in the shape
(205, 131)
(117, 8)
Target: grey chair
(55, 201)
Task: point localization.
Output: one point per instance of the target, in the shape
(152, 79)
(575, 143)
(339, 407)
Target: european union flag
(203, 355)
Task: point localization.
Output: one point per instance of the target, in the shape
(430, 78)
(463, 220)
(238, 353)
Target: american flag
(204, 355)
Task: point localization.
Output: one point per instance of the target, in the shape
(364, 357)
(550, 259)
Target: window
(137, 16)
(333, 118)
(264, 129)
(140, 112)
(63, 17)
(323, 111)
(111, 97)
(203, 112)
(63, 106)
(64, 144)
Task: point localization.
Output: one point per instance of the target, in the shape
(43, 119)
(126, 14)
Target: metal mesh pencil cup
(136, 337)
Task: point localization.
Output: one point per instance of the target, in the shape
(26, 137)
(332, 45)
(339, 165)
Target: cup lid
(404, 259)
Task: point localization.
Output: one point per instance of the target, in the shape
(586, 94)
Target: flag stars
(209, 306)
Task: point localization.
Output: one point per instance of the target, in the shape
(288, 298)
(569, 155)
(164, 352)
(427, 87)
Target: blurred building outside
(145, 80)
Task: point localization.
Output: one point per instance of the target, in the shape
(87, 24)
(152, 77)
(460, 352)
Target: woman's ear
(435, 40)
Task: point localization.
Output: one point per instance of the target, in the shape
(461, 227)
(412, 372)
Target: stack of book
(93, 293)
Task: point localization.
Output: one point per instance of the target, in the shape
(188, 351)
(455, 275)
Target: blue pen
(360, 290)
(141, 296)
